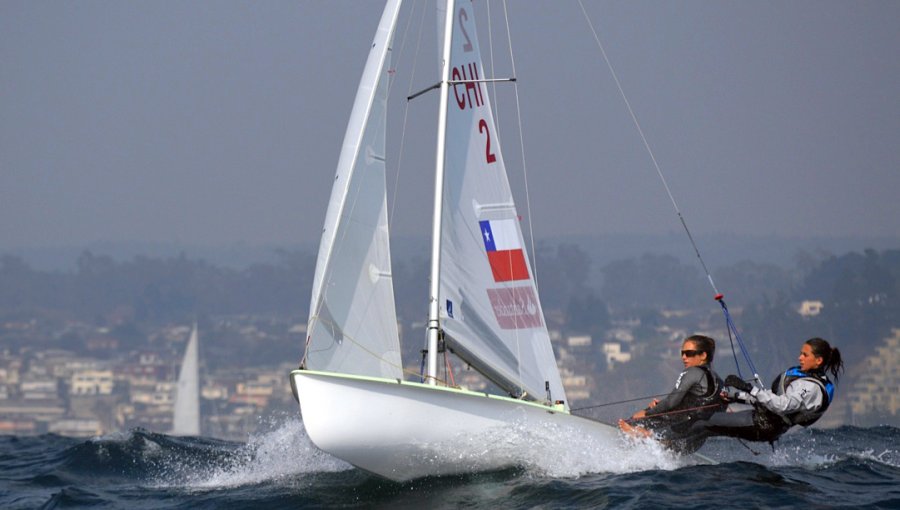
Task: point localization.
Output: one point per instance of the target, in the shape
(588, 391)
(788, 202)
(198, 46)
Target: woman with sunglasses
(697, 395)
(799, 396)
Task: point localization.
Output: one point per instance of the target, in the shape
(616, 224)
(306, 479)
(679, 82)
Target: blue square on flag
(487, 235)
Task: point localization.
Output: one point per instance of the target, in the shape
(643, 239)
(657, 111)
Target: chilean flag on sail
(505, 254)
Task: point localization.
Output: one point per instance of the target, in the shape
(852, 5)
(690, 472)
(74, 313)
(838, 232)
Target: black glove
(738, 383)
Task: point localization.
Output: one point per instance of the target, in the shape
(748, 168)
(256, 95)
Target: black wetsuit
(695, 397)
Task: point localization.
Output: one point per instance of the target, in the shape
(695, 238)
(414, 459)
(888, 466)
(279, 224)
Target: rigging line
(647, 145)
(512, 62)
(732, 327)
(617, 402)
(449, 369)
(377, 356)
(403, 40)
(412, 76)
(493, 73)
(733, 351)
(679, 411)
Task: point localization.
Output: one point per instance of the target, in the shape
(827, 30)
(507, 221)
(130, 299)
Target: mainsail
(352, 319)
(490, 313)
(186, 418)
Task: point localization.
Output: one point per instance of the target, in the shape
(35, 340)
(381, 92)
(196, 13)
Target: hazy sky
(208, 122)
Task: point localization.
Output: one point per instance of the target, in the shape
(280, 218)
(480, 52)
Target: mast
(434, 305)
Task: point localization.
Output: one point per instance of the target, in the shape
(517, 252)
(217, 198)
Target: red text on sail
(471, 90)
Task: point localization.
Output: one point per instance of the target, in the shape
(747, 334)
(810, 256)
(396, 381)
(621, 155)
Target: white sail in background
(491, 313)
(352, 319)
(186, 419)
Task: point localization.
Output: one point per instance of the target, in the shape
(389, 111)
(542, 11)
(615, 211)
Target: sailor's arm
(798, 395)
(686, 381)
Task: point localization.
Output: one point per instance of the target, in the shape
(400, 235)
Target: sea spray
(549, 450)
(276, 455)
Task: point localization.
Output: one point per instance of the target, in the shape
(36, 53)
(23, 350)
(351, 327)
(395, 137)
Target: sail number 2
(469, 94)
(483, 128)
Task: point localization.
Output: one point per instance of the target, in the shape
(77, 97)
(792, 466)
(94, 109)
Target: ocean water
(847, 467)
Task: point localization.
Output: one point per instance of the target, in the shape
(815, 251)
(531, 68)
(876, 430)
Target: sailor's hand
(653, 403)
(638, 415)
(738, 383)
(734, 394)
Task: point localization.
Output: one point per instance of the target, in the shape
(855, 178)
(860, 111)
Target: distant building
(579, 341)
(875, 392)
(810, 308)
(43, 389)
(614, 354)
(298, 329)
(620, 334)
(578, 387)
(76, 427)
(92, 382)
(20, 427)
(37, 409)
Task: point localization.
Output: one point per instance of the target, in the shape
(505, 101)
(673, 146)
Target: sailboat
(484, 307)
(186, 416)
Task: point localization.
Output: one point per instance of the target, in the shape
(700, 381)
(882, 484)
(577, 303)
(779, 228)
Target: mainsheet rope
(732, 329)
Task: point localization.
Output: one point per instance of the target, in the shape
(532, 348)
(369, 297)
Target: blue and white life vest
(805, 417)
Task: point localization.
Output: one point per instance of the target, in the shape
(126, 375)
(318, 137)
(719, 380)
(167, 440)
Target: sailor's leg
(632, 430)
(739, 424)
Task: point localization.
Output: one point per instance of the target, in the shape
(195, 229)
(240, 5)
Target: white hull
(404, 430)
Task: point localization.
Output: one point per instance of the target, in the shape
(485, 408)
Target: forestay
(352, 319)
(490, 313)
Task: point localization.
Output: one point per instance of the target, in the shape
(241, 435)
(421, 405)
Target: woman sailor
(799, 396)
(696, 396)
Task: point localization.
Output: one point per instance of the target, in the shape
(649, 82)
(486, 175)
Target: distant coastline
(717, 249)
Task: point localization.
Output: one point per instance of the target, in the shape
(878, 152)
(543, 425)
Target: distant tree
(860, 293)
(587, 313)
(749, 282)
(561, 272)
(652, 280)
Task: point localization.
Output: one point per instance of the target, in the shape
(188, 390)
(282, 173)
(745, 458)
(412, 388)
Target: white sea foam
(278, 455)
(809, 450)
(554, 451)
(551, 450)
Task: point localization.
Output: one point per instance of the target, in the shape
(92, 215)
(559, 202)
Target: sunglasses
(691, 353)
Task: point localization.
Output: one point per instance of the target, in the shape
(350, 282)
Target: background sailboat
(483, 305)
(186, 416)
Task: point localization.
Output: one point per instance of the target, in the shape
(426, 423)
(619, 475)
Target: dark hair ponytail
(831, 356)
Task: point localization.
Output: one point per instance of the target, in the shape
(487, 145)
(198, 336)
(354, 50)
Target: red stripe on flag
(508, 265)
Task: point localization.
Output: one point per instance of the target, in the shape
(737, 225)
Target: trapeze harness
(692, 406)
(771, 426)
(704, 405)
